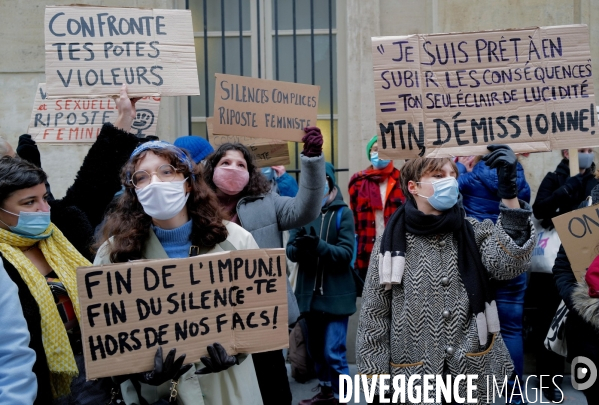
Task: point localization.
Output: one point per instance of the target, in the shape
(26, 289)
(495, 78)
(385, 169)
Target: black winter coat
(98, 179)
(554, 199)
(582, 323)
(76, 215)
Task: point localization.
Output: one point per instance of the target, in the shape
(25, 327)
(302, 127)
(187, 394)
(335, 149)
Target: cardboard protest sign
(267, 152)
(453, 94)
(92, 51)
(579, 233)
(260, 108)
(72, 120)
(236, 298)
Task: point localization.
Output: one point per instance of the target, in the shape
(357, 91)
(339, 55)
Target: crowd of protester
(439, 250)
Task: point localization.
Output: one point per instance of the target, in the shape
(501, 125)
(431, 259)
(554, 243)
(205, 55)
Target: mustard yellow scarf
(64, 259)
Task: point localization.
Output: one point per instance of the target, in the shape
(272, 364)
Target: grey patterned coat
(405, 330)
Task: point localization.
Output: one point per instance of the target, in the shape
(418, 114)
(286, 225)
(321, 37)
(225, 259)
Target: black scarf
(472, 271)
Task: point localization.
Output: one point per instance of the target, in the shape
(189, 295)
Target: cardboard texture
(267, 152)
(452, 94)
(73, 120)
(573, 162)
(92, 51)
(579, 232)
(236, 298)
(259, 108)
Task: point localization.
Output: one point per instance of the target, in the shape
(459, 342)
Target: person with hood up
(374, 195)
(325, 289)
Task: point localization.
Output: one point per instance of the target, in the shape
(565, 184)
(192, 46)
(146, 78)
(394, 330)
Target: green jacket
(325, 282)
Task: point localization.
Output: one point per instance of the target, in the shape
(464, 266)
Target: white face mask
(163, 200)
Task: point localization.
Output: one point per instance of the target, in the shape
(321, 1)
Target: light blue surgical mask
(326, 193)
(445, 195)
(377, 163)
(30, 224)
(585, 160)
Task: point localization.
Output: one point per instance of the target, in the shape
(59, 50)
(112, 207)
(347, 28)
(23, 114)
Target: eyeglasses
(141, 178)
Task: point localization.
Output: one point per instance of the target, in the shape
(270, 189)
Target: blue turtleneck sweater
(176, 242)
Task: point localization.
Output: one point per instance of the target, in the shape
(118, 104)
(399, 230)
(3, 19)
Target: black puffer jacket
(98, 179)
(76, 215)
(554, 199)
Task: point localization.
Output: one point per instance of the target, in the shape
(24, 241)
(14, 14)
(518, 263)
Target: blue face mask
(326, 193)
(585, 160)
(377, 163)
(31, 224)
(268, 173)
(445, 195)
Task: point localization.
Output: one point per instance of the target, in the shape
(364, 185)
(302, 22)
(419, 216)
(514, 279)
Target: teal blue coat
(325, 282)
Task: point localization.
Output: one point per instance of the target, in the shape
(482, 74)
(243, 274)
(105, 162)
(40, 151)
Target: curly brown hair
(129, 225)
(257, 185)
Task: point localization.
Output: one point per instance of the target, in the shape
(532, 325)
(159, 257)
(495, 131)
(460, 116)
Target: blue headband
(183, 158)
(164, 145)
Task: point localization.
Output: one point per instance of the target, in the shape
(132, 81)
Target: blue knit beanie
(197, 147)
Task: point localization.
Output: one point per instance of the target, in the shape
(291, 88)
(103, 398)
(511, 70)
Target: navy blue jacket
(479, 190)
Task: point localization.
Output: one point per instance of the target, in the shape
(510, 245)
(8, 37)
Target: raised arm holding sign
(93, 51)
(260, 108)
(77, 120)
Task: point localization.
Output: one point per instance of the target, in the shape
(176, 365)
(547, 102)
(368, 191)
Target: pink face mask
(229, 180)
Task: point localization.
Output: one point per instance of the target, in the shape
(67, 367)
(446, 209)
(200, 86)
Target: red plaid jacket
(364, 216)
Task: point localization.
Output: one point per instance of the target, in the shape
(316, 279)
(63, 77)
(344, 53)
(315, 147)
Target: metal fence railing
(268, 39)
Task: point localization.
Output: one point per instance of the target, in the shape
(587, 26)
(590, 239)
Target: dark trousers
(272, 377)
(542, 294)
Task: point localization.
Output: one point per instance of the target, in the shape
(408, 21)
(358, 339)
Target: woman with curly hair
(245, 195)
(167, 210)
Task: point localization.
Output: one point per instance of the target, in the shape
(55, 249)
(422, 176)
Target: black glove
(307, 243)
(574, 185)
(27, 149)
(218, 361)
(170, 369)
(504, 160)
